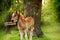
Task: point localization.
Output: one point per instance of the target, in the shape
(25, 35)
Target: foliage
(49, 11)
(6, 9)
(57, 6)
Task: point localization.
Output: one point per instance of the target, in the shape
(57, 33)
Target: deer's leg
(21, 35)
(31, 33)
(26, 35)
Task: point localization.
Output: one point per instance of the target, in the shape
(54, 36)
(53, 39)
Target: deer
(25, 25)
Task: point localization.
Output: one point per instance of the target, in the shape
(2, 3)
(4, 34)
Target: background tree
(33, 8)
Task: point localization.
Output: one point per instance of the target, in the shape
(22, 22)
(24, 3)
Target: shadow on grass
(45, 38)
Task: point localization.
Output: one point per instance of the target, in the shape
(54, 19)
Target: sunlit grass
(51, 32)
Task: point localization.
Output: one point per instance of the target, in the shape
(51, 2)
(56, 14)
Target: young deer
(25, 25)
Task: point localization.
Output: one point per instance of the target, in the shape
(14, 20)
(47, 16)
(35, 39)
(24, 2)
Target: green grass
(51, 32)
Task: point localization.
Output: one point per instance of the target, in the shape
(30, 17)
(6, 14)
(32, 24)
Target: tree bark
(33, 8)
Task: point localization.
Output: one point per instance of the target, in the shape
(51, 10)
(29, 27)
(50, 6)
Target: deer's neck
(22, 17)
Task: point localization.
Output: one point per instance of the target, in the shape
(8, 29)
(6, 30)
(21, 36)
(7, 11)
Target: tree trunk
(33, 8)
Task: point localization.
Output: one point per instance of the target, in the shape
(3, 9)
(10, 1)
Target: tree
(33, 8)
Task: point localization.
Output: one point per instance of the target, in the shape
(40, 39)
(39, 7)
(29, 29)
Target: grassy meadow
(51, 32)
